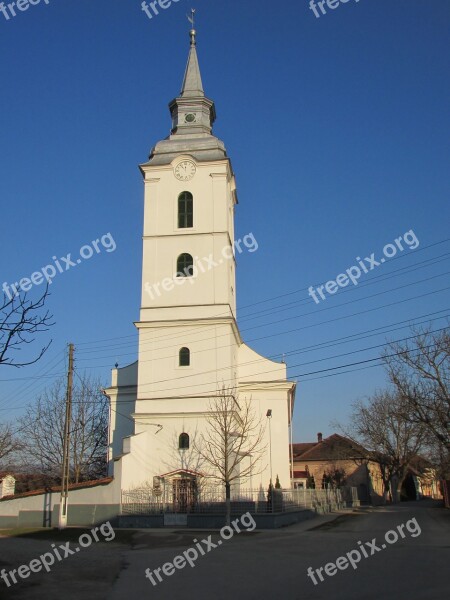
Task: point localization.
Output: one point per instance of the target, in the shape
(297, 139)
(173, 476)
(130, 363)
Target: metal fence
(211, 500)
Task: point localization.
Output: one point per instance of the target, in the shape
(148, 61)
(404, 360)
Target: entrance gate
(184, 495)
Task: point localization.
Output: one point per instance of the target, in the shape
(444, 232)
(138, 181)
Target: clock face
(190, 118)
(185, 170)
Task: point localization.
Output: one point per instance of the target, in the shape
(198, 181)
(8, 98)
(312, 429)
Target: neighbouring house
(300, 479)
(338, 461)
(421, 481)
(28, 482)
(335, 461)
(7, 485)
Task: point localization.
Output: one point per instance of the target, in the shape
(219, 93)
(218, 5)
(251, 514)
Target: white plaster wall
(101, 494)
(255, 367)
(213, 231)
(199, 314)
(154, 454)
(122, 394)
(213, 354)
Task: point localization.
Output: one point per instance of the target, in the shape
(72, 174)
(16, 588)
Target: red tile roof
(300, 474)
(331, 448)
(72, 486)
(299, 449)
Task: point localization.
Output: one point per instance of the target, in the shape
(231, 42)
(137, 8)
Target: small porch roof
(182, 472)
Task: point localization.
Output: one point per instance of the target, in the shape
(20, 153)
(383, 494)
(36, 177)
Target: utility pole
(272, 496)
(66, 447)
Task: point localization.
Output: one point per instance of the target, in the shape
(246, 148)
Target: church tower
(187, 326)
(189, 342)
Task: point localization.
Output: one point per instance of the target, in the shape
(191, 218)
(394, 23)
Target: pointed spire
(192, 112)
(193, 116)
(192, 83)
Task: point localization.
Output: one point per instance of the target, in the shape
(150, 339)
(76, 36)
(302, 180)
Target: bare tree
(439, 457)
(9, 443)
(419, 369)
(43, 431)
(20, 320)
(335, 476)
(383, 427)
(233, 445)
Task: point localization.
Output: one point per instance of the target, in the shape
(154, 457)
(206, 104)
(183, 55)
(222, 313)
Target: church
(190, 347)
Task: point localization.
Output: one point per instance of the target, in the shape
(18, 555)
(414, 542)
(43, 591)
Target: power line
(414, 321)
(23, 389)
(366, 361)
(92, 393)
(343, 317)
(291, 330)
(305, 289)
(320, 310)
(209, 392)
(46, 376)
(292, 352)
(297, 365)
(288, 306)
(374, 280)
(31, 378)
(267, 299)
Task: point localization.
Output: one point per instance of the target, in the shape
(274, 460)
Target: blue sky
(338, 132)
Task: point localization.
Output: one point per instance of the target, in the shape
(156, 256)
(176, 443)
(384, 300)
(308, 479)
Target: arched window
(183, 442)
(185, 357)
(185, 265)
(185, 210)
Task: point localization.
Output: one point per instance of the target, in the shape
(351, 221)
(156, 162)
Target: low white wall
(87, 506)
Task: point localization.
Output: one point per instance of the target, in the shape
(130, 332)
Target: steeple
(193, 116)
(192, 112)
(192, 83)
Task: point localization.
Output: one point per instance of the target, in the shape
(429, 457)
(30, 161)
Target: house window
(183, 442)
(185, 265)
(185, 357)
(185, 210)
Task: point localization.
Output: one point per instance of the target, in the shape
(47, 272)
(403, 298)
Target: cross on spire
(191, 18)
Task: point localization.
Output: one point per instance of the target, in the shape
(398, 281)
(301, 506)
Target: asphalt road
(273, 564)
(252, 565)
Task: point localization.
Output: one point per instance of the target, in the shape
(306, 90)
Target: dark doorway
(408, 489)
(184, 494)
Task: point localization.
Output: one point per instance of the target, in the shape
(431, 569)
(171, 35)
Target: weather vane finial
(191, 20)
